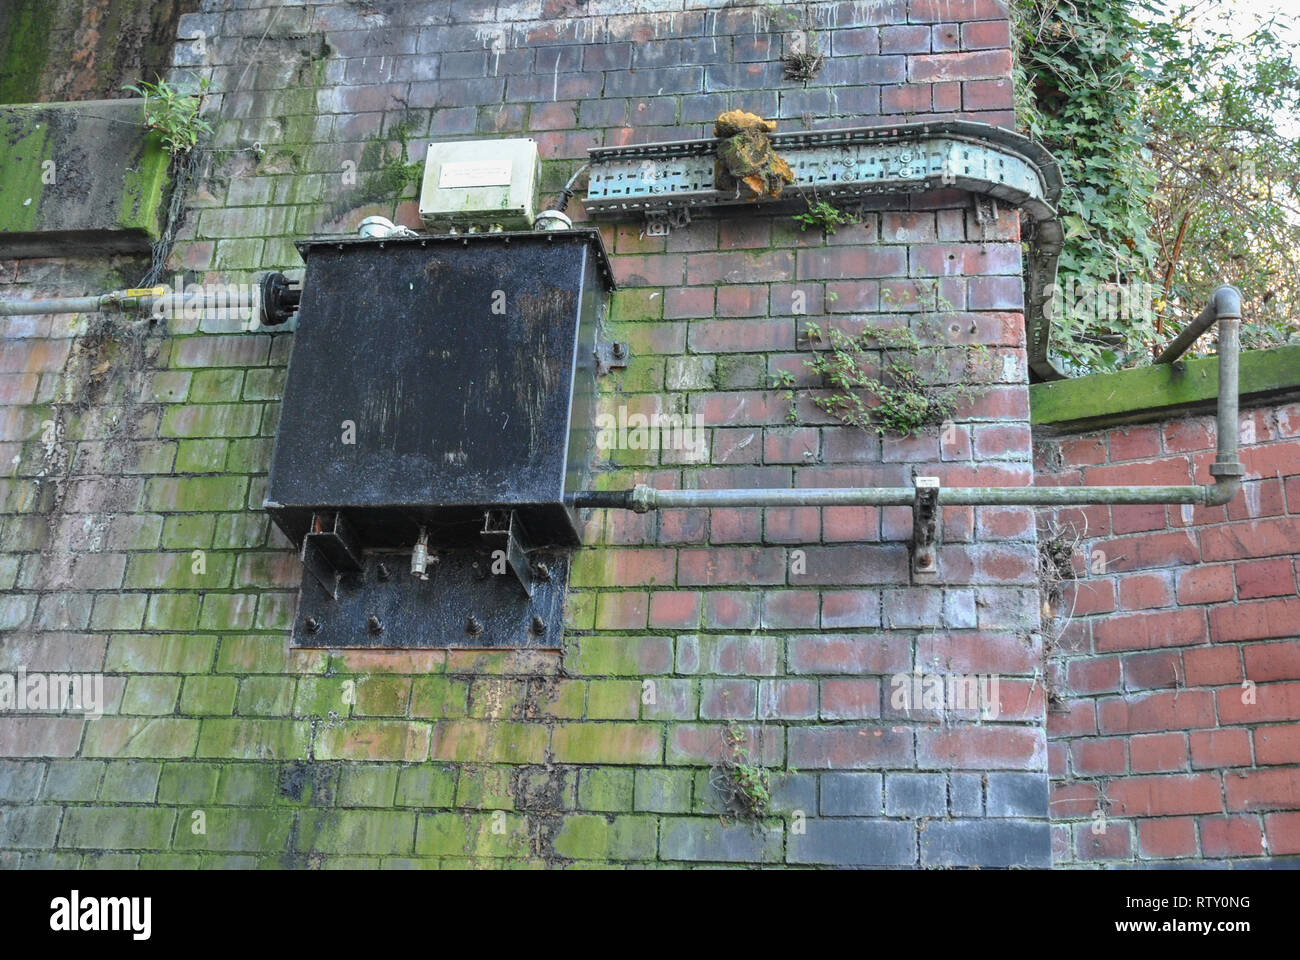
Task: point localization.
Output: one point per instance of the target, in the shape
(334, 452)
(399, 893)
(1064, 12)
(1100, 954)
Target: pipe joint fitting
(641, 498)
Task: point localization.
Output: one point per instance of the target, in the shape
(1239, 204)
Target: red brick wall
(1178, 661)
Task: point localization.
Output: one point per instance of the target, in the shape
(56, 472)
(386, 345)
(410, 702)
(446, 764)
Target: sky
(1244, 14)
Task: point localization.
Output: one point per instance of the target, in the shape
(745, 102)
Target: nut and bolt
(420, 556)
(473, 627)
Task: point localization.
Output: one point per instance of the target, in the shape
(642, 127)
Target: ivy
(1170, 126)
(1078, 82)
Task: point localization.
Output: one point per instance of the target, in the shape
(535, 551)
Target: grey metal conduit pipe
(1225, 307)
(118, 301)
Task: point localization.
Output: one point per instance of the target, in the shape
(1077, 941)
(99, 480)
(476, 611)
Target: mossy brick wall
(510, 758)
(1178, 665)
(53, 50)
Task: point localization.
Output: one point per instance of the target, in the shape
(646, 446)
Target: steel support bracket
(611, 356)
(659, 222)
(503, 532)
(329, 550)
(925, 527)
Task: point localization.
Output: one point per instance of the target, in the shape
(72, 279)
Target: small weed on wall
(804, 58)
(824, 216)
(744, 785)
(175, 115)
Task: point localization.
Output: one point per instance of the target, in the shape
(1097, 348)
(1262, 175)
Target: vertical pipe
(1229, 361)
(1227, 469)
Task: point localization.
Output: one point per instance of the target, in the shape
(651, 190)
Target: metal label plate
(474, 173)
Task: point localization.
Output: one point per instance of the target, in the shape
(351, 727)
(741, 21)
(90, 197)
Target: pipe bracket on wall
(925, 527)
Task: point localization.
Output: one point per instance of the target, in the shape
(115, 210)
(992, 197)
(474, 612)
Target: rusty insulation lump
(746, 161)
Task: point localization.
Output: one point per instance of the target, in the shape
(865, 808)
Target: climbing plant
(745, 785)
(824, 216)
(1176, 134)
(804, 57)
(1078, 78)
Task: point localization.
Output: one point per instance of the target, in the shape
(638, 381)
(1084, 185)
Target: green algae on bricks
(324, 697)
(25, 29)
(606, 656)
(613, 700)
(471, 741)
(117, 828)
(238, 831)
(356, 831)
(593, 837)
(613, 743)
(209, 696)
(439, 697)
(188, 782)
(254, 739)
(85, 177)
(426, 785)
(175, 654)
(637, 305)
(383, 696)
(608, 789)
(393, 740)
(156, 738)
(484, 787)
(367, 785)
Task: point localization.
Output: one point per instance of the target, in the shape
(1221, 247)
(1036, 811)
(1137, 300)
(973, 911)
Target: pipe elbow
(1221, 491)
(1227, 302)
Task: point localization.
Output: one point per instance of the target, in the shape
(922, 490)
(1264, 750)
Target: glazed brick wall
(160, 443)
(1178, 669)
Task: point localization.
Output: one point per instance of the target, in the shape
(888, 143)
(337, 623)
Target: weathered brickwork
(1178, 672)
(125, 453)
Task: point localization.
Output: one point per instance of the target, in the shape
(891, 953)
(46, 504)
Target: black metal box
(433, 378)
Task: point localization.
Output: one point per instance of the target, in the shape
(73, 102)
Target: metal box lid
(481, 182)
(432, 378)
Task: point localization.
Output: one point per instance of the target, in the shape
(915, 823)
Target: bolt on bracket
(925, 527)
(611, 356)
